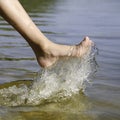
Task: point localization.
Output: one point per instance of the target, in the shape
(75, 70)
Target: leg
(46, 51)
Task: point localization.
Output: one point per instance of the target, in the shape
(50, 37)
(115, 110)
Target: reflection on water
(64, 22)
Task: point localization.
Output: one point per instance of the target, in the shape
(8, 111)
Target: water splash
(67, 77)
(62, 80)
(14, 95)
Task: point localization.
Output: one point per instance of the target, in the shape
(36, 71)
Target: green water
(63, 93)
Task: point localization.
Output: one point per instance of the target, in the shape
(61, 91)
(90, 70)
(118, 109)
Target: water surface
(65, 22)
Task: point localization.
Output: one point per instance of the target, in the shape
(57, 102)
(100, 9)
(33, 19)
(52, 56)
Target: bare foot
(54, 51)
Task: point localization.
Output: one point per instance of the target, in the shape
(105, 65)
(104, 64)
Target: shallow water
(67, 22)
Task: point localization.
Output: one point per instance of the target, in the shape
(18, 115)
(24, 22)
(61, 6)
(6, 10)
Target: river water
(73, 89)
